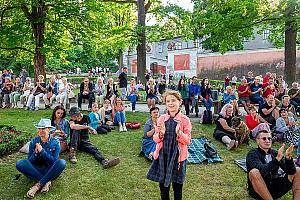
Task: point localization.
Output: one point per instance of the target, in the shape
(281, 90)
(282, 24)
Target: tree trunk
(141, 47)
(38, 15)
(290, 46)
(39, 58)
(120, 60)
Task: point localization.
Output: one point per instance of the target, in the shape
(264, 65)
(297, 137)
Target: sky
(186, 4)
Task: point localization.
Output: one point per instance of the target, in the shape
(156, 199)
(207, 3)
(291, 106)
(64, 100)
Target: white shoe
(133, 111)
(121, 129)
(124, 129)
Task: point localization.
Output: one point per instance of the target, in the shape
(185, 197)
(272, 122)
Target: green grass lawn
(87, 179)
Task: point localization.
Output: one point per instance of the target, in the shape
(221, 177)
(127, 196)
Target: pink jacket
(183, 140)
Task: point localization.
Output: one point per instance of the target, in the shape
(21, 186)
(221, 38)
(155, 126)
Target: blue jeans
(42, 174)
(132, 99)
(258, 100)
(208, 103)
(120, 118)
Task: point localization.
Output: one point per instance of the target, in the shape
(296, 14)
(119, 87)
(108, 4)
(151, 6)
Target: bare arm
(225, 126)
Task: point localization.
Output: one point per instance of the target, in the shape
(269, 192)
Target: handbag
(209, 150)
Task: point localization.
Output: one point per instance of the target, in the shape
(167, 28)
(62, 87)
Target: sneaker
(110, 163)
(124, 129)
(37, 108)
(72, 156)
(133, 111)
(121, 129)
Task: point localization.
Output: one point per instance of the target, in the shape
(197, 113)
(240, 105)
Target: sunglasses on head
(266, 138)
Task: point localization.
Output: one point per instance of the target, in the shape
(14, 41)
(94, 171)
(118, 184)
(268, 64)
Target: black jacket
(256, 159)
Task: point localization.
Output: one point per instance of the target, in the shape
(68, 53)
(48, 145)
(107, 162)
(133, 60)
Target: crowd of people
(271, 110)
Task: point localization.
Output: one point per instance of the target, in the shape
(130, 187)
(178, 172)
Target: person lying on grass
(264, 180)
(79, 131)
(172, 135)
(42, 164)
(148, 145)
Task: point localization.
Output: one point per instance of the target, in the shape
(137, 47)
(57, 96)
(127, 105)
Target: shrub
(11, 139)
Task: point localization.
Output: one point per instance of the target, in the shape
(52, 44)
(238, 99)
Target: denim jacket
(65, 127)
(49, 153)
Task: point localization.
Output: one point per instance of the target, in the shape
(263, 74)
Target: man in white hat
(42, 164)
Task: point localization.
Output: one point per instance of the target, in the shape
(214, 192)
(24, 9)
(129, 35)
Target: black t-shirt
(85, 120)
(220, 127)
(265, 105)
(39, 90)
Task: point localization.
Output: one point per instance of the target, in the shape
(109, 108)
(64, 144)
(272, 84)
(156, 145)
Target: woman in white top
(63, 92)
(99, 92)
(26, 91)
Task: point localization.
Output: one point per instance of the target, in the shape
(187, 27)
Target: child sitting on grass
(97, 121)
(119, 114)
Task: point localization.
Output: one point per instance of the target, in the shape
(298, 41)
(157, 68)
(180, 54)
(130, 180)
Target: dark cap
(73, 111)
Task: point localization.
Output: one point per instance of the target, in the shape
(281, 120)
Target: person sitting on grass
(61, 127)
(79, 131)
(224, 131)
(106, 113)
(263, 162)
(172, 135)
(287, 127)
(119, 115)
(97, 122)
(148, 145)
(255, 122)
(42, 164)
(269, 111)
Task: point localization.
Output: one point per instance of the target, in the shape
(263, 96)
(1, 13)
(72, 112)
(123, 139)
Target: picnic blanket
(196, 152)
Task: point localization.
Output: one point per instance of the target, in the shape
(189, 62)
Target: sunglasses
(266, 138)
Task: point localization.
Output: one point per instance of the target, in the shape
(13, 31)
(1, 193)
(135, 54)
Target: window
(160, 48)
(266, 34)
(178, 45)
(197, 43)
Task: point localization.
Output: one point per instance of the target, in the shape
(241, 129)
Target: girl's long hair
(53, 117)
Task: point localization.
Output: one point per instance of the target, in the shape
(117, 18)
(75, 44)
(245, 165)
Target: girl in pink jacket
(172, 135)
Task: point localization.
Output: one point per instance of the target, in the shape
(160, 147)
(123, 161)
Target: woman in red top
(255, 122)
(119, 114)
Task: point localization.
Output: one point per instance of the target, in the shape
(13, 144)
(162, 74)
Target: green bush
(11, 139)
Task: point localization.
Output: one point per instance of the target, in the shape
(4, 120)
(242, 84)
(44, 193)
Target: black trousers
(85, 146)
(165, 191)
(89, 96)
(186, 103)
(103, 129)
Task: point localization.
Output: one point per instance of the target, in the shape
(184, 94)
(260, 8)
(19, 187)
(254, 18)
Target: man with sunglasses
(265, 181)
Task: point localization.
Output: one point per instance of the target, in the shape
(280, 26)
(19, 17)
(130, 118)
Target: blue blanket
(196, 152)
